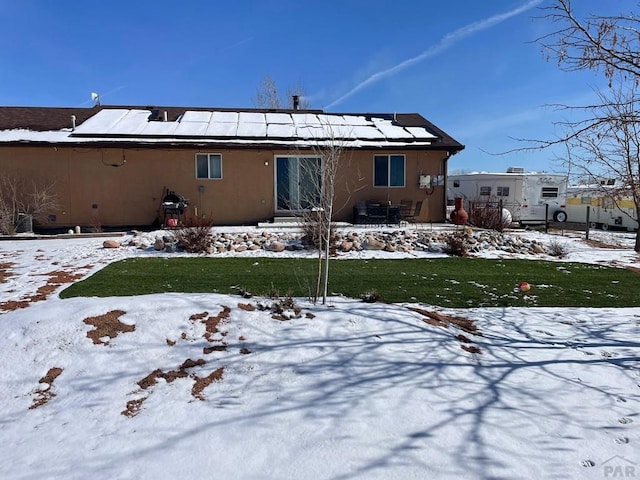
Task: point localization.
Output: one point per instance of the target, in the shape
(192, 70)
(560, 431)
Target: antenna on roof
(96, 98)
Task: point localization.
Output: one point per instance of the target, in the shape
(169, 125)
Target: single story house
(113, 166)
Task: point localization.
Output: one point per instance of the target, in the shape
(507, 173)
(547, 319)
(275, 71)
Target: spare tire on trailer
(560, 216)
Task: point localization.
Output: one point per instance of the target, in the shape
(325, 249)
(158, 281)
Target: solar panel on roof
(251, 117)
(191, 128)
(280, 118)
(221, 129)
(249, 129)
(247, 126)
(160, 128)
(133, 123)
(275, 130)
(420, 132)
(225, 117)
(103, 121)
(194, 116)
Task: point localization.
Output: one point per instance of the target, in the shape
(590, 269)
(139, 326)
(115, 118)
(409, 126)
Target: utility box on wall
(425, 181)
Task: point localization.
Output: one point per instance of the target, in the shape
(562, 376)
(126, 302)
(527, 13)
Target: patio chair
(360, 215)
(405, 209)
(411, 217)
(376, 212)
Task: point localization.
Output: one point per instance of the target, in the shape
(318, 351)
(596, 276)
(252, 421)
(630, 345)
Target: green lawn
(453, 282)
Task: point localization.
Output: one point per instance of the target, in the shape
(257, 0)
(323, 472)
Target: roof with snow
(219, 126)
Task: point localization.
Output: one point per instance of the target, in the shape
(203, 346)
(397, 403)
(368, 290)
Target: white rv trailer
(524, 194)
(607, 210)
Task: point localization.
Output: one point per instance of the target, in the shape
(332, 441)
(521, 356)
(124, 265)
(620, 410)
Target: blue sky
(469, 66)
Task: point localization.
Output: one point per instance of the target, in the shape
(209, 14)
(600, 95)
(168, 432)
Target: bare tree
(607, 43)
(320, 173)
(19, 196)
(605, 142)
(317, 218)
(269, 96)
(608, 144)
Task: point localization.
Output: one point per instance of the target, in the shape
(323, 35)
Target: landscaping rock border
(345, 242)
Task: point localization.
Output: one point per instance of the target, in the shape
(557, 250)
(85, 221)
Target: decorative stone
(111, 244)
(276, 247)
(372, 243)
(158, 245)
(389, 248)
(346, 246)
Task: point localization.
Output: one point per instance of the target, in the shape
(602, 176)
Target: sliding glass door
(298, 182)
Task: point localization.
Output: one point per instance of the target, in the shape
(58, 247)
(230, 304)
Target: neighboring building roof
(484, 175)
(222, 127)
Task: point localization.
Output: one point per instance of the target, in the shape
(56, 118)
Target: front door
(298, 182)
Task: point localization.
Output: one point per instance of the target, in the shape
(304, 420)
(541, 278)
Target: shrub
(558, 249)
(282, 308)
(370, 297)
(18, 195)
(457, 244)
(195, 235)
(312, 237)
(492, 218)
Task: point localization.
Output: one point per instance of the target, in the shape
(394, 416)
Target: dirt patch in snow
(203, 382)
(5, 271)
(46, 393)
(465, 324)
(211, 323)
(107, 325)
(170, 376)
(601, 244)
(55, 280)
(471, 348)
(441, 320)
(134, 406)
(212, 332)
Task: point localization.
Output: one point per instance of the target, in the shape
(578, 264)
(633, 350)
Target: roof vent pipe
(296, 101)
(165, 116)
(73, 122)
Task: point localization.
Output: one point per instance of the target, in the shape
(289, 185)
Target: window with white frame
(485, 191)
(502, 191)
(209, 165)
(388, 171)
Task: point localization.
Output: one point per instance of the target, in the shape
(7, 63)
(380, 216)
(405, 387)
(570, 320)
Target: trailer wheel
(604, 226)
(560, 216)
(593, 225)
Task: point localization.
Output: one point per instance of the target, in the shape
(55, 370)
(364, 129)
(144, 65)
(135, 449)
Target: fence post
(588, 223)
(546, 218)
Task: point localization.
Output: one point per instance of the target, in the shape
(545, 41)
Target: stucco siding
(125, 186)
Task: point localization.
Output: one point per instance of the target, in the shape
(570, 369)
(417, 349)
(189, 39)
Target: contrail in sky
(447, 41)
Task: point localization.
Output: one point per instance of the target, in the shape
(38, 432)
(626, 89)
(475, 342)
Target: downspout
(446, 185)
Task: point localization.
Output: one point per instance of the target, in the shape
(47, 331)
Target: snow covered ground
(207, 386)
